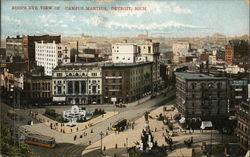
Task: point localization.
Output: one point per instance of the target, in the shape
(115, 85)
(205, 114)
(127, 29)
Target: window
(93, 89)
(70, 87)
(76, 87)
(149, 49)
(83, 86)
(59, 90)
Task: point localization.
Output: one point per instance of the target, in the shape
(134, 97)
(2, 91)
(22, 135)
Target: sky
(168, 18)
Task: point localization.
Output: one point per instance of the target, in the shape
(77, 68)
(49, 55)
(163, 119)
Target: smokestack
(76, 59)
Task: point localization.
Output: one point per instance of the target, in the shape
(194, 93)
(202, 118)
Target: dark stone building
(243, 125)
(238, 90)
(200, 96)
(124, 83)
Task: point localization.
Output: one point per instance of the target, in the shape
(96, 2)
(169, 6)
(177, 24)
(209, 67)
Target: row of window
(40, 86)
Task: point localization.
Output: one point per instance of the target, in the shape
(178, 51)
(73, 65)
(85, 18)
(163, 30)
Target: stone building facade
(124, 83)
(243, 125)
(77, 83)
(199, 96)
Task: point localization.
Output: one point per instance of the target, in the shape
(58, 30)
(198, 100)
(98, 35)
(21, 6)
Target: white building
(49, 55)
(181, 48)
(212, 59)
(145, 51)
(77, 83)
(150, 51)
(124, 52)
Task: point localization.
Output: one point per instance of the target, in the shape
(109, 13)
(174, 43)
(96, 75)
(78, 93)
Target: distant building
(243, 125)
(89, 55)
(2, 55)
(181, 48)
(49, 55)
(77, 83)
(199, 96)
(204, 57)
(124, 52)
(14, 46)
(212, 59)
(237, 53)
(220, 57)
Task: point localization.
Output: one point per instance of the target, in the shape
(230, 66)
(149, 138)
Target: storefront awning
(206, 124)
(59, 98)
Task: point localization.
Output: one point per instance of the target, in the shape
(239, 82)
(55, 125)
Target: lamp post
(101, 134)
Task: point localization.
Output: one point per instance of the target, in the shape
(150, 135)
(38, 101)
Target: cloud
(11, 19)
(179, 10)
(103, 1)
(153, 26)
(47, 18)
(102, 21)
(152, 7)
(64, 25)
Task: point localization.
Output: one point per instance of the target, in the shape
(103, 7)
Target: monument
(74, 114)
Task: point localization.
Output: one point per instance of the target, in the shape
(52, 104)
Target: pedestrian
(75, 137)
(89, 142)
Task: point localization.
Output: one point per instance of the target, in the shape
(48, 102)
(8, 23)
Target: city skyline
(161, 18)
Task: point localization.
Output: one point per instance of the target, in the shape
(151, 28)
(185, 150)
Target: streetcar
(120, 125)
(40, 140)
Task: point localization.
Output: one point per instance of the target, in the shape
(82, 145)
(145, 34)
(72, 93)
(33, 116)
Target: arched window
(76, 87)
(70, 74)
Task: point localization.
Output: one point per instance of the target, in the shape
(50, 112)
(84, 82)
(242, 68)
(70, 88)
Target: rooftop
(101, 64)
(195, 76)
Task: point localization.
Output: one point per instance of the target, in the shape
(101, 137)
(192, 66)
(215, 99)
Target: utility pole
(127, 146)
